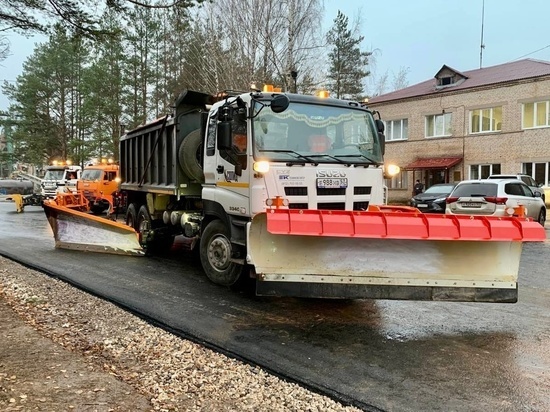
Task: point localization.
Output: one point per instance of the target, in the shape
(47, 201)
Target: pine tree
(348, 63)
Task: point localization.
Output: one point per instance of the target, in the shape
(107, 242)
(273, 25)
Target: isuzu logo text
(331, 173)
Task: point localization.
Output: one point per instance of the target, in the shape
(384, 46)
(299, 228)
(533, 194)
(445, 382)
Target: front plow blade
(388, 255)
(77, 230)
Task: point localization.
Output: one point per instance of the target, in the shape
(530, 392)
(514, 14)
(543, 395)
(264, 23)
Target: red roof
(507, 72)
(433, 163)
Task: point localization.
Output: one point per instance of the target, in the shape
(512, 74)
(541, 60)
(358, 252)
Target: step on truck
(288, 190)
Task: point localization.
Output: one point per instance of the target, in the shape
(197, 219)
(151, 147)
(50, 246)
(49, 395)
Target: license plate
(332, 183)
(471, 204)
(422, 205)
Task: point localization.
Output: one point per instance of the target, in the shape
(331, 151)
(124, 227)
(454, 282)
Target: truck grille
(331, 192)
(296, 191)
(338, 205)
(362, 190)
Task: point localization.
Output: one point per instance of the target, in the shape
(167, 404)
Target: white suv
(495, 197)
(528, 180)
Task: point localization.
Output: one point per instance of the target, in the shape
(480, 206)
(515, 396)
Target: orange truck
(98, 183)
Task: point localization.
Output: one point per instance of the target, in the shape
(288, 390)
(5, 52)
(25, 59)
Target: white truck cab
(60, 177)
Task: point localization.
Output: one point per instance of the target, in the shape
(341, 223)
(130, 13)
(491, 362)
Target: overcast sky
(420, 35)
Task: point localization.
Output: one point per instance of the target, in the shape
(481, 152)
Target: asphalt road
(377, 355)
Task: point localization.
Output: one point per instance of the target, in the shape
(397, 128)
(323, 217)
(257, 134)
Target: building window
(399, 181)
(536, 114)
(538, 171)
(486, 120)
(446, 81)
(483, 171)
(397, 130)
(438, 125)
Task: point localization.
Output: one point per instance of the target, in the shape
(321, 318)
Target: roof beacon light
(268, 88)
(323, 93)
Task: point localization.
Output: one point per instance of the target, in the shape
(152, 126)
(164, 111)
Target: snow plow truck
(288, 189)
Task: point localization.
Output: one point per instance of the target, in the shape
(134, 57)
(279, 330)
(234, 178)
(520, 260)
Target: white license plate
(332, 183)
(471, 204)
(422, 205)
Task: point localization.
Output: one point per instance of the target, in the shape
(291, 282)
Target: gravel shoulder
(62, 349)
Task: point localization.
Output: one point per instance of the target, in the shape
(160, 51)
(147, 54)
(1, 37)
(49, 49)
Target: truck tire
(215, 254)
(131, 216)
(189, 155)
(152, 242)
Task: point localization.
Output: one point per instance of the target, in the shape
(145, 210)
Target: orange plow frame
(75, 229)
(402, 222)
(388, 253)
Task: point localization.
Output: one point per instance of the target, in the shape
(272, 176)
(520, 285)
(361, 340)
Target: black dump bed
(151, 155)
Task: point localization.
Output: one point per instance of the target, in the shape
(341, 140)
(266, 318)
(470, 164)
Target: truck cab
(60, 177)
(98, 182)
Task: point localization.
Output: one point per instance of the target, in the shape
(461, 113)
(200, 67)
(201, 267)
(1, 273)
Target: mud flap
(388, 255)
(81, 231)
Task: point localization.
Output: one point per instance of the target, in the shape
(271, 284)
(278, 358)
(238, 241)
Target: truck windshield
(55, 174)
(326, 134)
(91, 174)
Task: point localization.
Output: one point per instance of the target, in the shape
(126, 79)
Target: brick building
(467, 125)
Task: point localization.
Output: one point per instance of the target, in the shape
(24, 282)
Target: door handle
(220, 169)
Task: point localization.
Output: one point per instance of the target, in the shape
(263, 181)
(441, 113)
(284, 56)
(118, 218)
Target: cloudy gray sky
(420, 35)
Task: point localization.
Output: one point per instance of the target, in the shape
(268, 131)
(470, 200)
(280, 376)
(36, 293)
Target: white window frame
(536, 106)
(480, 120)
(446, 124)
(530, 169)
(390, 127)
(479, 168)
(399, 181)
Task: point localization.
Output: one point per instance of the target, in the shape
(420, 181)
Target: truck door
(228, 169)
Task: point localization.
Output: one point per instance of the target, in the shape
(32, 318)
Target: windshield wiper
(331, 157)
(370, 159)
(298, 155)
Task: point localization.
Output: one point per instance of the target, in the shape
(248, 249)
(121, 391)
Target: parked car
(528, 180)
(495, 197)
(433, 198)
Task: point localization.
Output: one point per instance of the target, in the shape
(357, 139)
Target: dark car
(433, 198)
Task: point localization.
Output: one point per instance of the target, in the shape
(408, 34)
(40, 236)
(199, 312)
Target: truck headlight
(261, 167)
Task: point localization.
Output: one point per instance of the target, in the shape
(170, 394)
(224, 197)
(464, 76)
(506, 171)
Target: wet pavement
(386, 355)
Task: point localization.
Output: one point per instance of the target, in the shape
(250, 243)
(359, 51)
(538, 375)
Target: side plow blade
(388, 254)
(77, 230)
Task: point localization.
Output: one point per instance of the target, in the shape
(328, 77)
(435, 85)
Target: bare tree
(400, 78)
(261, 40)
(4, 48)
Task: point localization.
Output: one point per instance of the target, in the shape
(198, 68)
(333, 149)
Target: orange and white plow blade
(77, 230)
(388, 254)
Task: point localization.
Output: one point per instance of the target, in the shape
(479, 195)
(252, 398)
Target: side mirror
(224, 136)
(379, 125)
(279, 103)
(380, 128)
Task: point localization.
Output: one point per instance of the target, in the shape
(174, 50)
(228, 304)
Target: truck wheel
(189, 155)
(215, 253)
(131, 216)
(151, 242)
